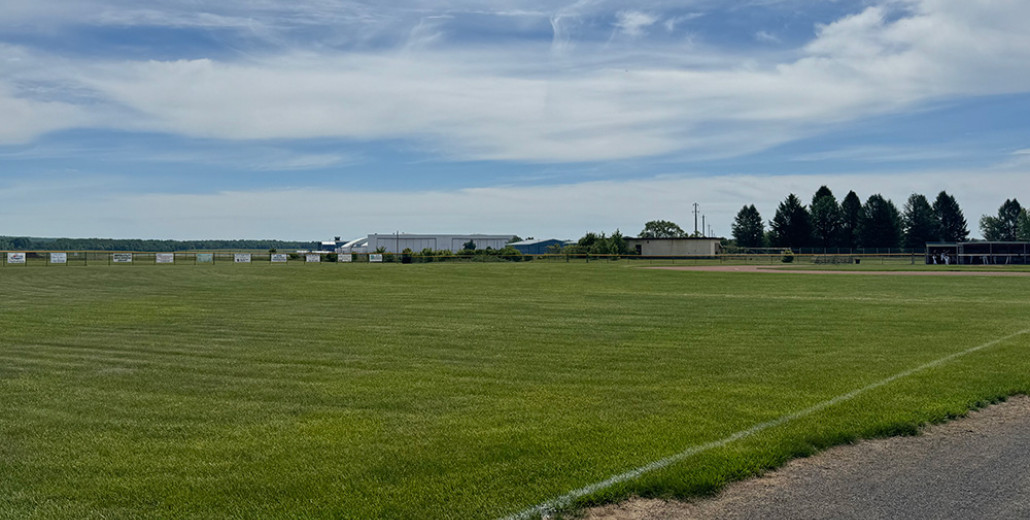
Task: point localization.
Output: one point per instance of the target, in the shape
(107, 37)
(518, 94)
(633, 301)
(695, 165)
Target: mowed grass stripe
(553, 505)
(455, 390)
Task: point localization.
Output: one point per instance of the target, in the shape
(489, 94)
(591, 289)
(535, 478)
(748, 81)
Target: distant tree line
(161, 246)
(877, 223)
(595, 244)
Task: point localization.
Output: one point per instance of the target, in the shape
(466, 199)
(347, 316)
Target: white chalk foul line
(566, 499)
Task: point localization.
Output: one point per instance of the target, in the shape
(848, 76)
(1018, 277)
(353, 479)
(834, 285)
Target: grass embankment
(457, 390)
(903, 267)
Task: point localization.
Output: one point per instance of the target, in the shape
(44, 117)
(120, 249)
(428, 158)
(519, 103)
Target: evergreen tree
(879, 224)
(850, 210)
(826, 218)
(919, 221)
(792, 226)
(951, 224)
(823, 191)
(1004, 227)
(748, 228)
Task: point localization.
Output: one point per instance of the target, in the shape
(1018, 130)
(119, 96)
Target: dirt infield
(782, 270)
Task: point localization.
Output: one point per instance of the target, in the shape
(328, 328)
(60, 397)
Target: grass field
(459, 390)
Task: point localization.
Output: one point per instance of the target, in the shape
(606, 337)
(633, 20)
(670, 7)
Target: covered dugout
(978, 253)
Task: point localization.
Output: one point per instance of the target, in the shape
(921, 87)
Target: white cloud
(633, 23)
(767, 37)
(25, 119)
(877, 154)
(303, 162)
(671, 24)
(549, 103)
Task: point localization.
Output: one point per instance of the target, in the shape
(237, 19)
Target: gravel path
(975, 467)
(781, 270)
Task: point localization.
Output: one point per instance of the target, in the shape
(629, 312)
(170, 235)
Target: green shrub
(510, 253)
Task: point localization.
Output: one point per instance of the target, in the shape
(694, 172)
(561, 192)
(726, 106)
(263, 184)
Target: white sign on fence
(314, 259)
(205, 258)
(241, 258)
(345, 257)
(121, 258)
(164, 258)
(16, 258)
(375, 258)
(280, 258)
(58, 258)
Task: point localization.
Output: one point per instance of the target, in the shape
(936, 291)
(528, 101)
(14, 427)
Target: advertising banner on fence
(345, 257)
(375, 258)
(121, 258)
(16, 258)
(314, 259)
(164, 258)
(280, 258)
(58, 258)
(241, 258)
(205, 258)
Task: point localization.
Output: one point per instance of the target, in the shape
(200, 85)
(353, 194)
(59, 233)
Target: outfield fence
(16, 259)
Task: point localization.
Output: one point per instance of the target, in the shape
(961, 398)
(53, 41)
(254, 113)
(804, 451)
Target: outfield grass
(458, 390)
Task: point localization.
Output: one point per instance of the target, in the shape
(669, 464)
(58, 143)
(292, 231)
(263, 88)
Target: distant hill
(134, 244)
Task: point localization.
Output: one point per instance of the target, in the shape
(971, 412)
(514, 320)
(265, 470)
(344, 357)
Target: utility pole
(703, 225)
(695, 218)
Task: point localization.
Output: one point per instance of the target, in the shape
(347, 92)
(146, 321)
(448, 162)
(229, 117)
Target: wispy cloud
(674, 22)
(587, 206)
(303, 162)
(880, 154)
(523, 103)
(633, 23)
(767, 37)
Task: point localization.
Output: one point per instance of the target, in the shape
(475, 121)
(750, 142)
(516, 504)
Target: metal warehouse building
(978, 253)
(398, 242)
(538, 247)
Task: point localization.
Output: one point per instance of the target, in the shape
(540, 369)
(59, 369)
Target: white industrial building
(398, 242)
(675, 246)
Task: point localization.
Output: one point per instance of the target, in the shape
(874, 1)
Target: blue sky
(315, 118)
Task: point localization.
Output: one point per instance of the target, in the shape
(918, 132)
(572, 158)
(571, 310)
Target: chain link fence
(16, 259)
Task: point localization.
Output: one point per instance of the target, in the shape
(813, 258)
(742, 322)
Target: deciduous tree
(662, 229)
(1004, 227)
(1024, 226)
(617, 244)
